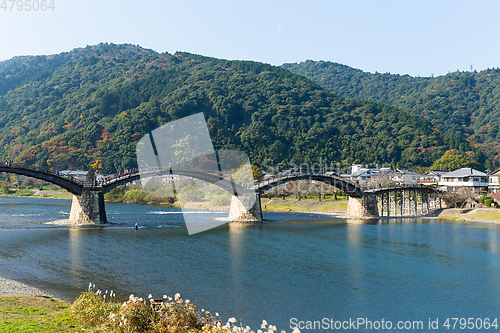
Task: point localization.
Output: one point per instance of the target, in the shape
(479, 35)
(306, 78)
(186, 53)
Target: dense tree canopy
(463, 103)
(91, 105)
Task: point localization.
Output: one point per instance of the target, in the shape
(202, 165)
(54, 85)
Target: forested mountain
(465, 103)
(91, 106)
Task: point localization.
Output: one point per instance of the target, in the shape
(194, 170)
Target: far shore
(484, 215)
(329, 207)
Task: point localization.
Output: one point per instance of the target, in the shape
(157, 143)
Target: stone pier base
(88, 208)
(239, 213)
(364, 207)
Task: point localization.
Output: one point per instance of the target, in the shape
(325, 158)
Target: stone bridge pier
(239, 212)
(88, 208)
(364, 207)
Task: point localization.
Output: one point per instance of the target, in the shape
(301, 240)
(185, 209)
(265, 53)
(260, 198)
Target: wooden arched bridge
(88, 197)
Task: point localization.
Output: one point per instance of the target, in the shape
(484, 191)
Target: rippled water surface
(295, 266)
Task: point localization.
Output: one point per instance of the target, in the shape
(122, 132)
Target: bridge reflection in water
(88, 205)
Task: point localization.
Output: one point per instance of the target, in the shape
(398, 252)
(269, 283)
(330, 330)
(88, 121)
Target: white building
(432, 177)
(406, 177)
(365, 175)
(465, 177)
(494, 183)
(78, 174)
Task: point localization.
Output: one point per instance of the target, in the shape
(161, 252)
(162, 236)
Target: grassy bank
(94, 313)
(294, 205)
(489, 215)
(35, 314)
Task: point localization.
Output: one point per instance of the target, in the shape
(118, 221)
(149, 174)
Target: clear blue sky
(419, 37)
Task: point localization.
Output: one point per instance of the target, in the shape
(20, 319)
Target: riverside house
(363, 176)
(432, 177)
(407, 177)
(494, 183)
(466, 177)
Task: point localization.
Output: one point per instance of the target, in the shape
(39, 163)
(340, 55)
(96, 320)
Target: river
(290, 270)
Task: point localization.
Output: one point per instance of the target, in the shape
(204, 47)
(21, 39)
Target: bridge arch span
(70, 185)
(223, 183)
(351, 189)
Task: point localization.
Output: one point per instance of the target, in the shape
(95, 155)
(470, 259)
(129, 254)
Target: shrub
(4, 189)
(220, 200)
(164, 315)
(25, 193)
(91, 310)
(191, 194)
(488, 202)
(115, 195)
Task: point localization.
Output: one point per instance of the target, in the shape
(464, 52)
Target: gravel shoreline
(11, 287)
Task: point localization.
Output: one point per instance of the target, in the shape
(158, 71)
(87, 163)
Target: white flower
(216, 314)
(283, 331)
(232, 320)
(296, 330)
(90, 285)
(106, 292)
(202, 310)
(187, 301)
(272, 327)
(177, 296)
(150, 296)
(264, 324)
(164, 296)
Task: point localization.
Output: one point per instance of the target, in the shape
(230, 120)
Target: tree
(258, 175)
(90, 174)
(454, 162)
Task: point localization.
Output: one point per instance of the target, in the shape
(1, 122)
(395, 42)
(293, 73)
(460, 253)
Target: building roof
(495, 173)
(406, 172)
(374, 172)
(464, 172)
(73, 172)
(78, 173)
(436, 172)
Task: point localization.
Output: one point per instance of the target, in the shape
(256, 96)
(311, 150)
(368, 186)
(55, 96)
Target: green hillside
(465, 103)
(91, 106)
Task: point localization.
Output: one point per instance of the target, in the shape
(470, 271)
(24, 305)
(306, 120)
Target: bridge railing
(42, 170)
(396, 186)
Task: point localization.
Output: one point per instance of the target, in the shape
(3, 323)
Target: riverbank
(304, 206)
(28, 309)
(487, 215)
(11, 287)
